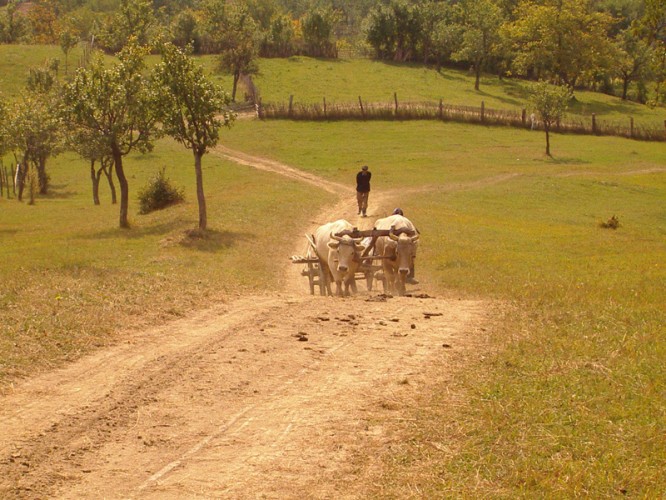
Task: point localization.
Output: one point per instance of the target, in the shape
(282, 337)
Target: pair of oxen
(341, 254)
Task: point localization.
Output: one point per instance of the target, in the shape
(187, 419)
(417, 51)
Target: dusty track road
(272, 396)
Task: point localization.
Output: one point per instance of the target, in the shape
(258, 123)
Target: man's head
(364, 167)
(398, 211)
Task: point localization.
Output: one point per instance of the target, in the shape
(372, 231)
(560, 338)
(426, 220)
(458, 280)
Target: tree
(68, 40)
(565, 41)
(114, 106)
(480, 20)
(550, 103)
(34, 134)
(13, 25)
(233, 32)
(317, 27)
(189, 109)
(634, 56)
(395, 30)
(133, 21)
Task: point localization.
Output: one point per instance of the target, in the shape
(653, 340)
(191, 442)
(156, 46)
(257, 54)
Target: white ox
(340, 254)
(399, 248)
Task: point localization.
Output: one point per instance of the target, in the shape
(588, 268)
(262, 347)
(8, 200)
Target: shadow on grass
(57, 192)
(556, 160)
(134, 232)
(213, 240)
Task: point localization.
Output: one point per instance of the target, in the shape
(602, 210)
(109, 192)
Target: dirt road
(282, 395)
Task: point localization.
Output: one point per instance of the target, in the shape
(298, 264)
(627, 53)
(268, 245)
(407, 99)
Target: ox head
(347, 250)
(405, 251)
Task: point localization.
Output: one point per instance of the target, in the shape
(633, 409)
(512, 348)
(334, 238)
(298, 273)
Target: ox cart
(317, 273)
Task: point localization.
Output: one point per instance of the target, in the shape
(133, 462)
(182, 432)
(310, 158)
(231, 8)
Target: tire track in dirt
(231, 402)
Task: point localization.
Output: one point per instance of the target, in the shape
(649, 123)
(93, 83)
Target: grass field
(573, 402)
(343, 81)
(71, 280)
(569, 401)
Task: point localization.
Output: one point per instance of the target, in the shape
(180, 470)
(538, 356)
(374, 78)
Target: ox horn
(416, 238)
(336, 238)
(392, 234)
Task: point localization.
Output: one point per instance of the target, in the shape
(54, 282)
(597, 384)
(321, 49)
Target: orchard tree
(550, 102)
(13, 25)
(34, 134)
(114, 106)
(480, 22)
(191, 110)
(233, 32)
(68, 40)
(317, 27)
(560, 40)
(133, 21)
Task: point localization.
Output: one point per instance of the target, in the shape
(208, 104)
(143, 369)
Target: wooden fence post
(258, 108)
(631, 126)
(483, 111)
(523, 117)
(291, 104)
(594, 123)
(441, 110)
(395, 98)
(360, 103)
(665, 124)
(324, 107)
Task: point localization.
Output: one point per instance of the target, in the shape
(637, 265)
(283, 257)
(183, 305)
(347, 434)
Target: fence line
(447, 112)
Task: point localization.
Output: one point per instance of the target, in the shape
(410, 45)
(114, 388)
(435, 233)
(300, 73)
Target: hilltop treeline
(615, 46)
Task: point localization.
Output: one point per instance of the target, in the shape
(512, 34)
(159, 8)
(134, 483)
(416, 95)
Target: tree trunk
(108, 172)
(547, 141)
(235, 86)
(40, 164)
(20, 178)
(203, 219)
(94, 176)
(477, 75)
(625, 87)
(124, 188)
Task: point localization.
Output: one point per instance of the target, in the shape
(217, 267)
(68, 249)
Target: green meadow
(572, 399)
(343, 81)
(568, 398)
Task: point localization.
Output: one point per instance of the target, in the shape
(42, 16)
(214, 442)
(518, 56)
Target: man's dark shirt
(363, 181)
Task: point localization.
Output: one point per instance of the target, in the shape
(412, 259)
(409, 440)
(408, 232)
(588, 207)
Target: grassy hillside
(70, 280)
(343, 81)
(572, 400)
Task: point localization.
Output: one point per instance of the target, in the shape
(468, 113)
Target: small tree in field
(191, 109)
(114, 107)
(550, 103)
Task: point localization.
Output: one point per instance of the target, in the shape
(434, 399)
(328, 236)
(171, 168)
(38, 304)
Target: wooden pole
(483, 111)
(631, 126)
(360, 103)
(523, 117)
(594, 123)
(324, 107)
(441, 110)
(395, 98)
(291, 104)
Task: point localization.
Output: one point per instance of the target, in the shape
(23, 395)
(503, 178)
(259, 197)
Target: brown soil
(282, 395)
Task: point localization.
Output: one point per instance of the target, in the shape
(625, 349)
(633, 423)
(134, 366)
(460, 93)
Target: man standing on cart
(363, 190)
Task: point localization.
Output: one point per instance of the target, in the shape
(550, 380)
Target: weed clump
(159, 193)
(612, 223)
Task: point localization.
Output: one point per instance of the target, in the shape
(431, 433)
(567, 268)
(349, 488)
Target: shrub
(612, 223)
(158, 194)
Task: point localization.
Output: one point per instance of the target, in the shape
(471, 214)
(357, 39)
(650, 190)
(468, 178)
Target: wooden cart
(318, 275)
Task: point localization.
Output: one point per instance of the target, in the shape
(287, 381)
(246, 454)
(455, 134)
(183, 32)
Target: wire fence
(481, 115)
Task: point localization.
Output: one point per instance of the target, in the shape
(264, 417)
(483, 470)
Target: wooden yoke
(373, 233)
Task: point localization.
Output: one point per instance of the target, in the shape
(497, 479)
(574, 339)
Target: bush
(612, 223)
(158, 194)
